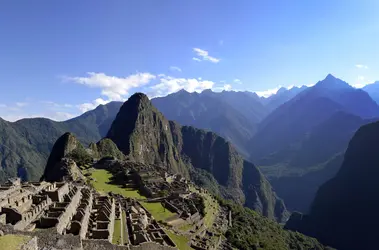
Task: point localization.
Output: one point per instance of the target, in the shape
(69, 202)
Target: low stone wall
(84, 223)
(3, 219)
(112, 217)
(30, 245)
(65, 218)
(151, 246)
(101, 245)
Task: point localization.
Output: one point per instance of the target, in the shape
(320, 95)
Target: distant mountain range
(297, 137)
(26, 144)
(304, 135)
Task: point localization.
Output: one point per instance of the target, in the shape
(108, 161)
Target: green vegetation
(117, 232)
(25, 145)
(185, 227)
(107, 148)
(157, 210)
(101, 182)
(13, 242)
(182, 242)
(80, 156)
(252, 231)
(211, 210)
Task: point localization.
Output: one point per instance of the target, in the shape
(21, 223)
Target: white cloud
(268, 92)
(204, 55)
(57, 105)
(360, 82)
(196, 59)
(3, 105)
(170, 84)
(92, 105)
(174, 68)
(21, 104)
(227, 87)
(361, 66)
(115, 88)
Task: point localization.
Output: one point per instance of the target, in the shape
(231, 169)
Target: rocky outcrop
(58, 167)
(107, 148)
(343, 213)
(144, 135)
(141, 132)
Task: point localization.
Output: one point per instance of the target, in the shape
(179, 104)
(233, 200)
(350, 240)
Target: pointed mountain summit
(58, 168)
(143, 134)
(331, 81)
(343, 214)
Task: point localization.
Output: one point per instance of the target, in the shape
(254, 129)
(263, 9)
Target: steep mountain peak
(332, 82)
(138, 101)
(58, 168)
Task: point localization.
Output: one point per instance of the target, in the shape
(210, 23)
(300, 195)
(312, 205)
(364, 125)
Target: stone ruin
(71, 214)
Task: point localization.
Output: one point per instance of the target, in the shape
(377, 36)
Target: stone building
(77, 216)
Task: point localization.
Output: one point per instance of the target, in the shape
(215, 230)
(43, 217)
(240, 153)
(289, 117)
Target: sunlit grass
(157, 210)
(181, 242)
(13, 242)
(100, 182)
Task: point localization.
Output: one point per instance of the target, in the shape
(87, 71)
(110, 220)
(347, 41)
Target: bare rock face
(58, 167)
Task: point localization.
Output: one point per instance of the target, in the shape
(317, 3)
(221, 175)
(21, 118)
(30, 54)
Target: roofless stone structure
(60, 214)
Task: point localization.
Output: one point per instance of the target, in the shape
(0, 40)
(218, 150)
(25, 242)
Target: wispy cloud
(3, 105)
(196, 59)
(203, 55)
(237, 81)
(21, 104)
(113, 87)
(361, 66)
(174, 68)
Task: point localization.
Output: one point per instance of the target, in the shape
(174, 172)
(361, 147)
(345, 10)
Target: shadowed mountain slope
(343, 212)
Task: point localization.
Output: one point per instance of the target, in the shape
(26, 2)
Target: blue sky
(60, 58)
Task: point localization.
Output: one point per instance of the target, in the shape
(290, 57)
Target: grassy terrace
(157, 210)
(211, 210)
(101, 183)
(180, 241)
(12, 242)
